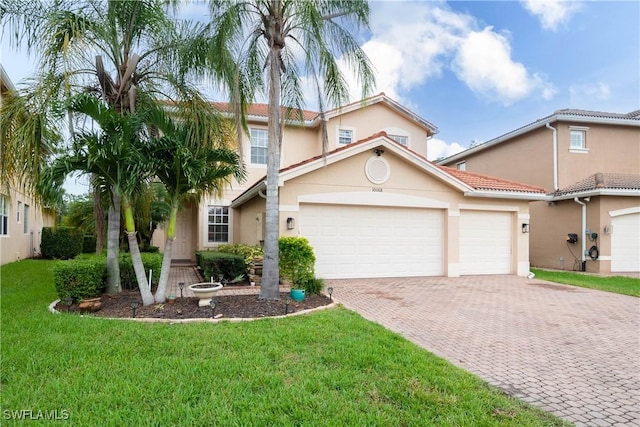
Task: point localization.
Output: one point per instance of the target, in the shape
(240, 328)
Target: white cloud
(438, 149)
(552, 13)
(585, 95)
(423, 40)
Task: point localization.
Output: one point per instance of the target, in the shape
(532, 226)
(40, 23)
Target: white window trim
(583, 149)
(400, 136)
(348, 128)
(229, 224)
(263, 165)
(461, 166)
(5, 212)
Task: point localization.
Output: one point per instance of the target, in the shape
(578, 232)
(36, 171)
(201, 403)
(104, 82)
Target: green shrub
(248, 252)
(149, 248)
(214, 263)
(80, 279)
(60, 242)
(296, 258)
(151, 261)
(88, 244)
(310, 283)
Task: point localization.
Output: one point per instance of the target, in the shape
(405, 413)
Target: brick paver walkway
(571, 351)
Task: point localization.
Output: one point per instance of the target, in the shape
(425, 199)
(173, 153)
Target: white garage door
(371, 241)
(625, 243)
(485, 242)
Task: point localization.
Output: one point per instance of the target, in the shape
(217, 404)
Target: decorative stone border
(203, 319)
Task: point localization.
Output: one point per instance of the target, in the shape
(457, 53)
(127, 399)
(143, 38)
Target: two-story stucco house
(21, 218)
(590, 163)
(373, 205)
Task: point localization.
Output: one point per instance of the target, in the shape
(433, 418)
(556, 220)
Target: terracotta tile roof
(262, 110)
(599, 181)
(598, 114)
(486, 182)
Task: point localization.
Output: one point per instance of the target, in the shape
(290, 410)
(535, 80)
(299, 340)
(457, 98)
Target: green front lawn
(618, 284)
(328, 368)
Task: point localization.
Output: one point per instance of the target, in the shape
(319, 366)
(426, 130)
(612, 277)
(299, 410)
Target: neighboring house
(21, 218)
(590, 163)
(373, 205)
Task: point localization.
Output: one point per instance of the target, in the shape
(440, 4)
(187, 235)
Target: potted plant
(171, 298)
(296, 264)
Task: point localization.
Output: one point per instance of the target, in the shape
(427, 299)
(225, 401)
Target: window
(18, 212)
(25, 219)
(404, 140)
(462, 166)
(577, 138)
(345, 136)
(259, 142)
(218, 224)
(4, 215)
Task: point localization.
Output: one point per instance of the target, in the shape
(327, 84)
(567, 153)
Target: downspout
(555, 156)
(583, 239)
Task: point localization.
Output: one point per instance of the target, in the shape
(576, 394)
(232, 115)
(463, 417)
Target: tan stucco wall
(407, 184)
(17, 244)
(550, 224)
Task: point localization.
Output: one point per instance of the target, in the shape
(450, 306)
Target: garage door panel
(373, 241)
(625, 243)
(485, 242)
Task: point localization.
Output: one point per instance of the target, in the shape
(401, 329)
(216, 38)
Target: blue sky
(479, 69)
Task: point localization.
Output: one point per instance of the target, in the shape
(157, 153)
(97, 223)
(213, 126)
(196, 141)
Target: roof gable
(470, 184)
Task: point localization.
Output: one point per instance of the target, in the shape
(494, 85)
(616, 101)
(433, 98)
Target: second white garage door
(625, 243)
(371, 241)
(485, 242)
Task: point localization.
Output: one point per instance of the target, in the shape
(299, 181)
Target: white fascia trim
(627, 211)
(603, 192)
(249, 194)
(370, 198)
(369, 145)
(506, 195)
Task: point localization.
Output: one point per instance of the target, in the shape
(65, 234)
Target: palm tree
(128, 53)
(276, 41)
(192, 157)
(115, 155)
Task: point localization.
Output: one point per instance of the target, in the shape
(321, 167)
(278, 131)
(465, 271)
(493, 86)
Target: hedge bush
(297, 259)
(215, 263)
(80, 279)
(247, 252)
(61, 242)
(150, 260)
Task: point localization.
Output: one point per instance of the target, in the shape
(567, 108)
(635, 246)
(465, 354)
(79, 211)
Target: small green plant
(296, 258)
(310, 283)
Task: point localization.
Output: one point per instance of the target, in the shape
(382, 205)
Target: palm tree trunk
(168, 249)
(113, 245)
(270, 285)
(98, 213)
(134, 251)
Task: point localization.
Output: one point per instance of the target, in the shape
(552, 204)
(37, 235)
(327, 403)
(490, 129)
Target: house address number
(377, 189)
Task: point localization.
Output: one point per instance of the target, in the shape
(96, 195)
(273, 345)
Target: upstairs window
(462, 166)
(345, 136)
(218, 224)
(577, 138)
(404, 140)
(259, 142)
(4, 215)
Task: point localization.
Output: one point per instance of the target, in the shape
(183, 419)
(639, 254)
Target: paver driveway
(572, 351)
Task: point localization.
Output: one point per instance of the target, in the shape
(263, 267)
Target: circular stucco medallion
(377, 170)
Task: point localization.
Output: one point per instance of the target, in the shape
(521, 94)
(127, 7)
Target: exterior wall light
(291, 223)
(525, 228)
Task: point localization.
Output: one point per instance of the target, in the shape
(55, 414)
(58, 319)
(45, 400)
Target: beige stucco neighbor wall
(552, 221)
(23, 242)
(345, 182)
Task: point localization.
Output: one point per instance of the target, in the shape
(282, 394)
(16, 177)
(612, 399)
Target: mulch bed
(229, 306)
